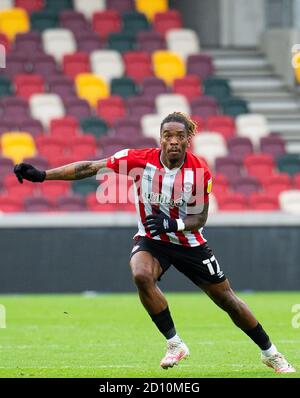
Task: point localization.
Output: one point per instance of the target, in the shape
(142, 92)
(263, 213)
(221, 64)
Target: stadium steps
(252, 78)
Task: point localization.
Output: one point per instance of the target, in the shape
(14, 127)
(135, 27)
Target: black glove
(160, 223)
(28, 172)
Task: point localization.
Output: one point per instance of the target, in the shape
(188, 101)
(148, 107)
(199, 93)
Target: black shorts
(197, 263)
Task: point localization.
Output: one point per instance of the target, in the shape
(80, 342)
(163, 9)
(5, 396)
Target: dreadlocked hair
(190, 125)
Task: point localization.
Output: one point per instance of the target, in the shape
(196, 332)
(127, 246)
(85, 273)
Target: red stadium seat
(138, 65)
(76, 63)
(200, 122)
(106, 22)
(276, 183)
(297, 181)
(83, 147)
(30, 5)
(189, 86)
(111, 109)
(222, 124)
(50, 147)
(220, 185)
(233, 202)
(5, 42)
(262, 201)
(14, 188)
(38, 204)
(164, 21)
(27, 85)
(64, 127)
(54, 189)
(10, 204)
(259, 165)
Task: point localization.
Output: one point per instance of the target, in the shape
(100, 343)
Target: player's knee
(143, 279)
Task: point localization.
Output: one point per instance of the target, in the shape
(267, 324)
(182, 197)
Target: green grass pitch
(112, 336)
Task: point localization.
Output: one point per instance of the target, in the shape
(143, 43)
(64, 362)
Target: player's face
(173, 141)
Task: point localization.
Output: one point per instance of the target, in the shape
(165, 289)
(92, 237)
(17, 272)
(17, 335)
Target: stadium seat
(124, 87)
(37, 205)
(276, 183)
(189, 86)
(6, 125)
(168, 66)
(94, 205)
(204, 106)
(27, 85)
(89, 41)
(274, 146)
(152, 86)
(220, 185)
(37, 161)
(121, 42)
(138, 65)
(150, 41)
(30, 5)
(94, 125)
(71, 203)
(14, 188)
(150, 8)
(297, 181)
(259, 165)
(58, 5)
(111, 109)
(44, 65)
(200, 122)
(106, 22)
(62, 86)
(120, 5)
(66, 127)
(222, 124)
(134, 22)
(145, 142)
(4, 41)
(139, 106)
(76, 63)
(151, 126)
(185, 42)
(5, 86)
(55, 189)
(200, 65)
(88, 8)
(10, 204)
(111, 145)
(166, 103)
(240, 146)
(6, 166)
(45, 107)
(164, 21)
(34, 127)
(15, 108)
(230, 167)
(234, 106)
(15, 64)
(128, 127)
(245, 185)
(262, 201)
(290, 201)
(233, 202)
(74, 21)
(13, 21)
(17, 145)
(253, 126)
(86, 186)
(91, 88)
(28, 43)
(209, 146)
(76, 107)
(107, 64)
(217, 87)
(83, 147)
(289, 163)
(58, 42)
(42, 20)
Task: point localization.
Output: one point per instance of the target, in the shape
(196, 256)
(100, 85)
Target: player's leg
(239, 312)
(146, 270)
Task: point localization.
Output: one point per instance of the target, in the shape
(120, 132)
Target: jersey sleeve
(122, 162)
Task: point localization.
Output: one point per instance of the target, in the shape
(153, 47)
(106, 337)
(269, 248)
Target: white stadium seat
(183, 42)
(290, 201)
(151, 126)
(45, 107)
(253, 126)
(89, 7)
(209, 146)
(58, 42)
(107, 64)
(169, 103)
(6, 4)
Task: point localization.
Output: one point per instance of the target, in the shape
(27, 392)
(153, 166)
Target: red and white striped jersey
(177, 192)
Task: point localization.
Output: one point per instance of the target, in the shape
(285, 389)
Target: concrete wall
(96, 258)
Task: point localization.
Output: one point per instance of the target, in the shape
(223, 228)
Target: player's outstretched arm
(72, 171)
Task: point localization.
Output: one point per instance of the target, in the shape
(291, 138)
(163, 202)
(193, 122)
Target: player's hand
(28, 172)
(160, 223)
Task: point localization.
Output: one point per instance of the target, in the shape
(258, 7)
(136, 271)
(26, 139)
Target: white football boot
(278, 363)
(176, 351)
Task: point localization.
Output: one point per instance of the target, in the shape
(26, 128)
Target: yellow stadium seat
(17, 145)
(168, 65)
(91, 87)
(297, 68)
(14, 21)
(150, 8)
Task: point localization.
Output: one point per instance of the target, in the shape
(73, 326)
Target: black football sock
(259, 336)
(164, 323)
